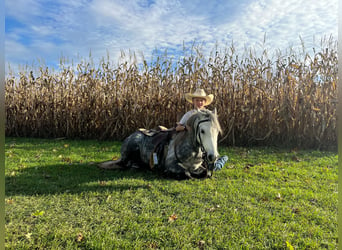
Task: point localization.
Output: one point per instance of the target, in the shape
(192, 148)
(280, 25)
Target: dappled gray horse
(187, 154)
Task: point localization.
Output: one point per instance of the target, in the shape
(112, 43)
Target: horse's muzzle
(211, 158)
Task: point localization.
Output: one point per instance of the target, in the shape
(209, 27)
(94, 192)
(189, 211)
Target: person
(200, 100)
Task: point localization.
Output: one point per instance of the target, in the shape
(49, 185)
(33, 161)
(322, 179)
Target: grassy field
(264, 198)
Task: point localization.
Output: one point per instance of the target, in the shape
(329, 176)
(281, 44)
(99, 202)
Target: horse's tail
(110, 165)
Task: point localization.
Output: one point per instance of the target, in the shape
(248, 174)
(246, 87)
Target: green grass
(264, 198)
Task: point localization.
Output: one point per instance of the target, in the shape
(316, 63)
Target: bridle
(199, 134)
(198, 143)
(205, 158)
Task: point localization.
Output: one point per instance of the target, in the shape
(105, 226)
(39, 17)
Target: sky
(42, 32)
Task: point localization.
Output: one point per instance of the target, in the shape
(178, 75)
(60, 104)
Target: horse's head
(205, 128)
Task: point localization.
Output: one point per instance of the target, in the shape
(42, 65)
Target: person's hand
(180, 127)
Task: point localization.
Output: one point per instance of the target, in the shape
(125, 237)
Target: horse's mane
(205, 114)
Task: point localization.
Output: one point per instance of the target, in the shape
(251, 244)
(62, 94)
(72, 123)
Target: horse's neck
(182, 137)
(184, 146)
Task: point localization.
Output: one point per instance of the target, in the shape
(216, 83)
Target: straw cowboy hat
(199, 93)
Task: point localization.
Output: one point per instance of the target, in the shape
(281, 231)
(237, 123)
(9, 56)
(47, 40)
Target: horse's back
(137, 147)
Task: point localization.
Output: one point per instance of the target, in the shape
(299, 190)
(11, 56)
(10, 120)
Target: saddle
(161, 138)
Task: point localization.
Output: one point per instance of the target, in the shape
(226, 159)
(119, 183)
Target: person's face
(199, 102)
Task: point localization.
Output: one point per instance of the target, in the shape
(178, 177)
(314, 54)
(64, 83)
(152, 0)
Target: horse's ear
(215, 111)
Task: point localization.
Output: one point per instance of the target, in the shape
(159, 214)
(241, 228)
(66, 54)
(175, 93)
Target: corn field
(283, 100)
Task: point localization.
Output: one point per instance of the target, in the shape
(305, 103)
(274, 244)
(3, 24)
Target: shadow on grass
(75, 178)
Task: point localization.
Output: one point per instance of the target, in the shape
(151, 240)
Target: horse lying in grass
(186, 154)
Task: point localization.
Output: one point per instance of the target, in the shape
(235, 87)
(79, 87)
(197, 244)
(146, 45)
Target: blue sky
(41, 31)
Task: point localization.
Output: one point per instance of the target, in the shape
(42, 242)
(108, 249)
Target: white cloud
(22, 10)
(283, 22)
(72, 27)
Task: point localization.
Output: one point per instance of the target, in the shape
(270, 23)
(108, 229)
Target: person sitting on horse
(200, 100)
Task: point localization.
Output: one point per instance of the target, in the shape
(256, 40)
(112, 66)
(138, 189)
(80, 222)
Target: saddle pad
(152, 132)
(148, 132)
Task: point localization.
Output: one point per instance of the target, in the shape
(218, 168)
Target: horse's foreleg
(186, 171)
(188, 174)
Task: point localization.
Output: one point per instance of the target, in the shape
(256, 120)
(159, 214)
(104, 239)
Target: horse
(181, 155)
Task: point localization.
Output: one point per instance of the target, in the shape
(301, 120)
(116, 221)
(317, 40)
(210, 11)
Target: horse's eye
(202, 131)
